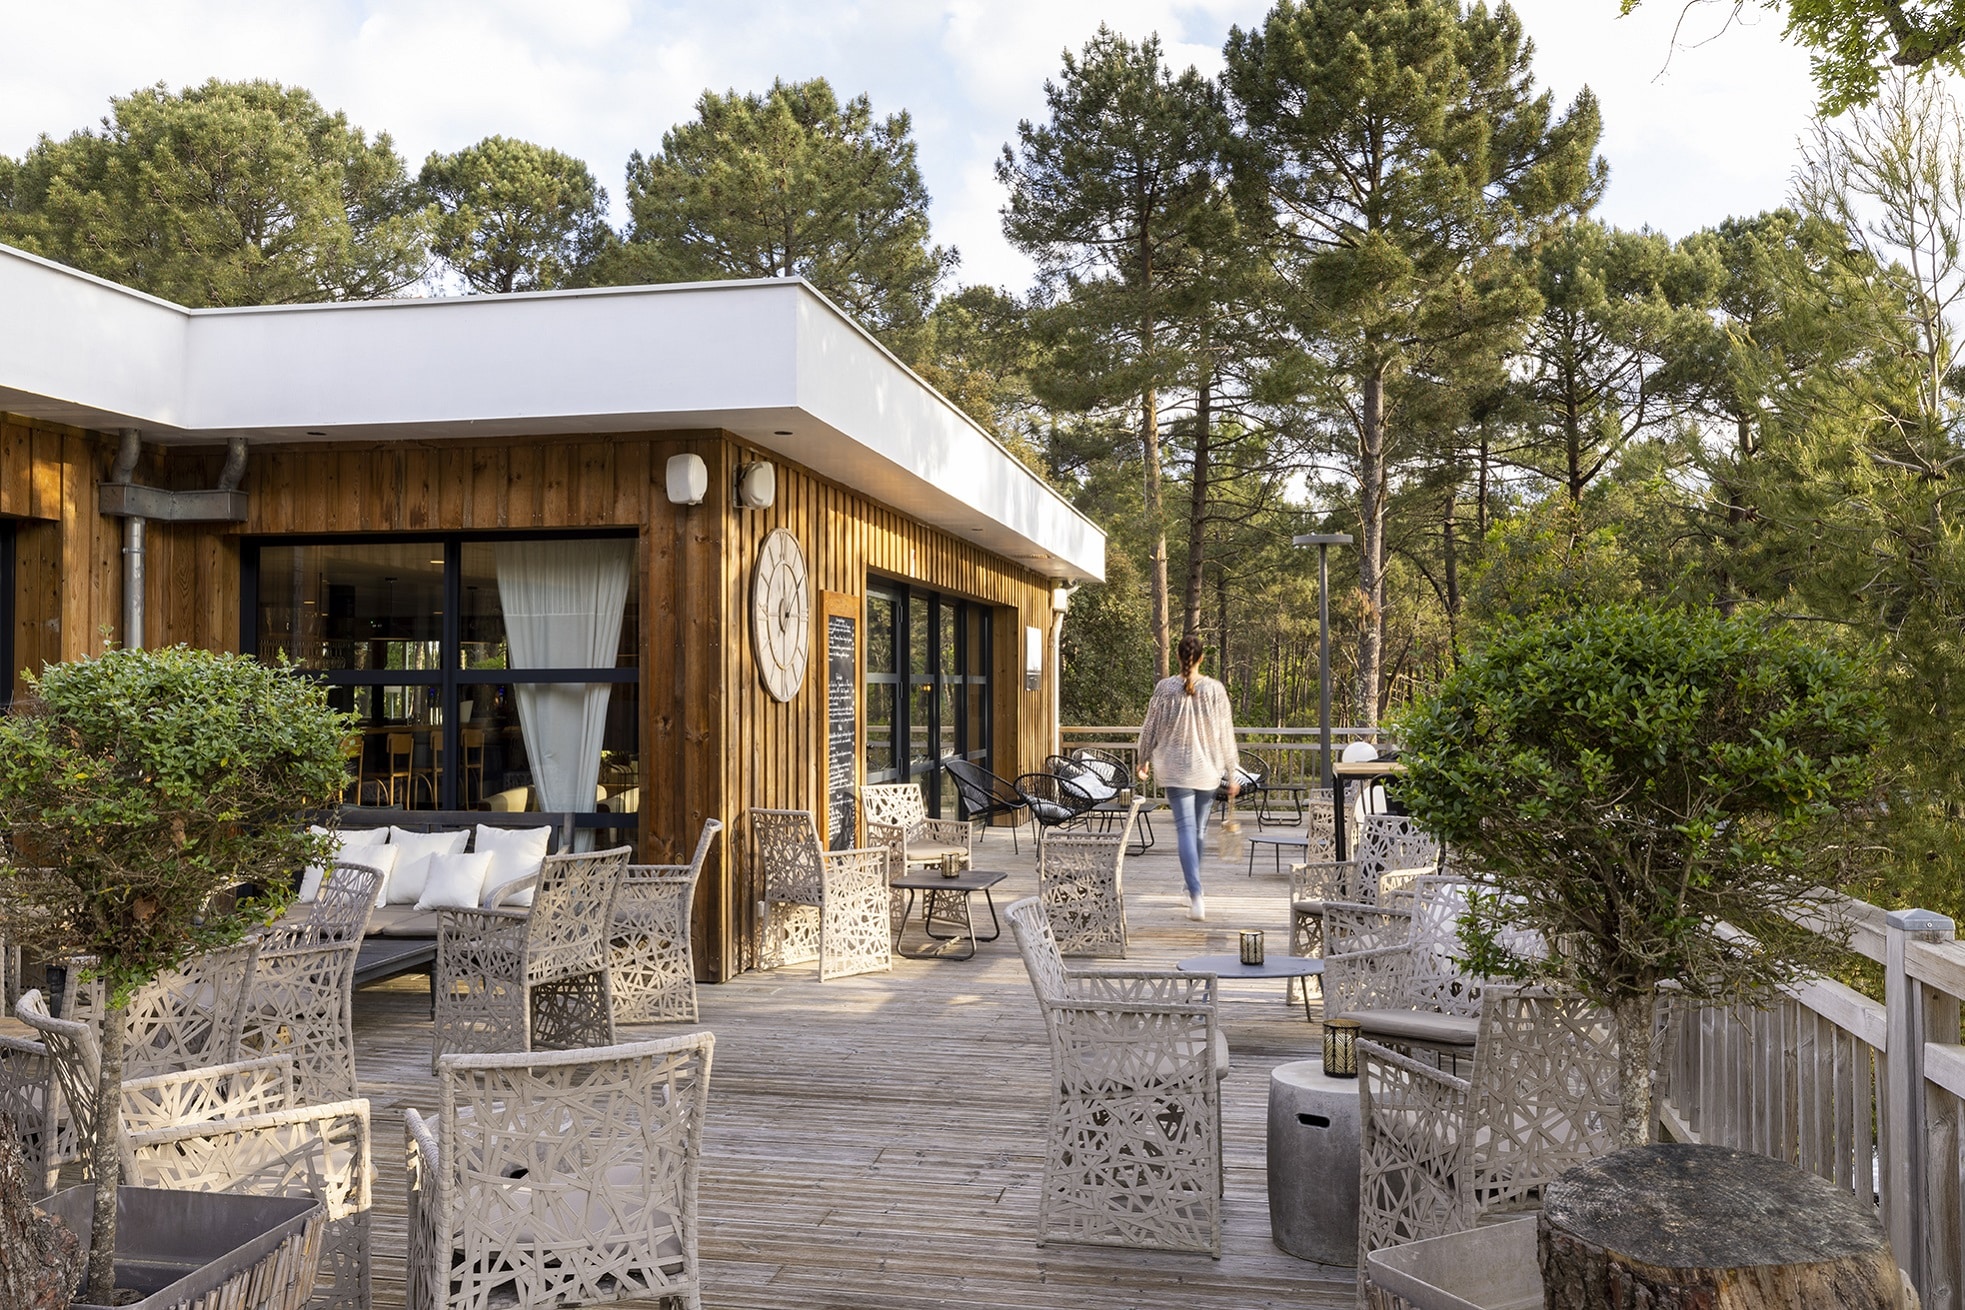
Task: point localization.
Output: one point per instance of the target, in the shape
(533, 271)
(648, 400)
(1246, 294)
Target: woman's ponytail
(1190, 659)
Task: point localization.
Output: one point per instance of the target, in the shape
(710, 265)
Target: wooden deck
(878, 1141)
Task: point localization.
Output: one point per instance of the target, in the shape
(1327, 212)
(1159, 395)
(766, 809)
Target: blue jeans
(1190, 806)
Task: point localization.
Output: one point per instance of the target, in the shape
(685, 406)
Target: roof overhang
(771, 361)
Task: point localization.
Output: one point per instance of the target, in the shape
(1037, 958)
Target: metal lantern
(1341, 1048)
(1252, 946)
(951, 865)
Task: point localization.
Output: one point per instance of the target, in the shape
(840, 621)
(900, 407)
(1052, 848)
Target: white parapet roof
(772, 361)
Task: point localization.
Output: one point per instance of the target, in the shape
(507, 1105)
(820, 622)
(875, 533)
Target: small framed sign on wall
(1033, 658)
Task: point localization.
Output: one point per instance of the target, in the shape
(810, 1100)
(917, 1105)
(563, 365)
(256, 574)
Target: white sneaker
(1197, 906)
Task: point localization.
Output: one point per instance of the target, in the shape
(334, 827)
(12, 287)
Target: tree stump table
(1675, 1227)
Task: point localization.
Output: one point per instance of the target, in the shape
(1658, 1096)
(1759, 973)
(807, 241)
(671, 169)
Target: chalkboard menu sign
(842, 664)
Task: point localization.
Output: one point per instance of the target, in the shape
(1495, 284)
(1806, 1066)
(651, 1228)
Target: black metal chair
(1255, 772)
(1106, 766)
(984, 796)
(1054, 802)
(1093, 781)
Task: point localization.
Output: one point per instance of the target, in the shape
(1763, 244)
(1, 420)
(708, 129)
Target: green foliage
(230, 193)
(514, 216)
(138, 785)
(792, 183)
(1547, 561)
(1857, 43)
(1626, 777)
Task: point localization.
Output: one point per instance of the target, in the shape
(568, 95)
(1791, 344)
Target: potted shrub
(1627, 777)
(137, 789)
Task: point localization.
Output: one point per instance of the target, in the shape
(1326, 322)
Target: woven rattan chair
(319, 1150)
(339, 911)
(832, 906)
(301, 998)
(896, 817)
(190, 1017)
(516, 980)
(984, 796)
(1079, 883)
(1133, 1152)
(559, 1180)
(1391, 850)
(654, 969)
(31, 1106)
(1441, 1153)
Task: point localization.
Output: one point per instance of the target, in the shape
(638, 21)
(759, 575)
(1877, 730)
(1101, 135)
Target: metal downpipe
(133, 539)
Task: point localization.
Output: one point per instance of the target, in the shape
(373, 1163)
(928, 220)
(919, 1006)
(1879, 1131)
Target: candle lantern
(1252, 946)
(1341, 1048)
(951, 865)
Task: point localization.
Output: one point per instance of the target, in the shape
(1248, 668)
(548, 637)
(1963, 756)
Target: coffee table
(1142, 832)
(946, 900)
(1272, 966)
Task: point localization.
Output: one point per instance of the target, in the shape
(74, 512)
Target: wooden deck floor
(877, 1141)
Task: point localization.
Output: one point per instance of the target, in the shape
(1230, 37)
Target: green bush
(1627, 777)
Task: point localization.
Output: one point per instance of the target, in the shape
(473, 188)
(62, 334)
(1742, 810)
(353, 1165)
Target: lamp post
(1323, 541)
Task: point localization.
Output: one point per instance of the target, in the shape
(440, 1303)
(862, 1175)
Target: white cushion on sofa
(404, 886)
(454, 881)
(515, 853)
(357, 845)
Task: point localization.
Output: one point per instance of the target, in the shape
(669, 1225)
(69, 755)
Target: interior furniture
(1440, 1153)
(513, 980)
(1133, 1147)
(470, 745)
(984, 796)
(896, 817)
(560, 1180)
(398, 768)
(946, 901)
(300, 998)
(832, 906)
(1079, 881)
(654, 967)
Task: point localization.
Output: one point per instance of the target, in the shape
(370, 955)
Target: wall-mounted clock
(781, 615)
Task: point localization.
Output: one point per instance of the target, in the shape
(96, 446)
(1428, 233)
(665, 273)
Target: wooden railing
(1867, 1094)
(1292, 754)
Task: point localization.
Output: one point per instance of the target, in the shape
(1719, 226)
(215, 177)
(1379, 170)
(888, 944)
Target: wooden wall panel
(715, 743)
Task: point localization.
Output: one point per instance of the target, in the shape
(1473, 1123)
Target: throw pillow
(414, 850)
(515, 853)
(354, 844)
(454, 881)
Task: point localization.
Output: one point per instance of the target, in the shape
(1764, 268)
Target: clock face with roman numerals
(781, 615)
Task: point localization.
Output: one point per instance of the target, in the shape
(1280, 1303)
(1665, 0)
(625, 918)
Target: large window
(927, 695)
(486, 672)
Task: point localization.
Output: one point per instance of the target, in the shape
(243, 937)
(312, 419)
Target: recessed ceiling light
(312, 433)
(782, 432)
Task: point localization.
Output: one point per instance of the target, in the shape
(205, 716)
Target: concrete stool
(1313, 1163)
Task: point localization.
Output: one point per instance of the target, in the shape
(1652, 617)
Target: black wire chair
(1092, 781)
(984, 796)
(1109, 768)
(1254, 771)
(1054, 802)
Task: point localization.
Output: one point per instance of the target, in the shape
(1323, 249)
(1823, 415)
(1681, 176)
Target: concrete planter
(1492, 1268)
(254, 1252)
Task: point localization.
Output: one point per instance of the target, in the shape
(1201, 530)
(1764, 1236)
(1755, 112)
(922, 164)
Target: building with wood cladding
(650, 554)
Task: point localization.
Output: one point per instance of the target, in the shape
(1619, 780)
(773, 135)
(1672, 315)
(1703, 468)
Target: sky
(1693, 134)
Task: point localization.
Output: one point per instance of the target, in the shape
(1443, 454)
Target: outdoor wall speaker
(757, 486)
(689, 479)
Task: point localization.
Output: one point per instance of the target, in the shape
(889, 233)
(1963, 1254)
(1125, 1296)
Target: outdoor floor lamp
(1323, 541)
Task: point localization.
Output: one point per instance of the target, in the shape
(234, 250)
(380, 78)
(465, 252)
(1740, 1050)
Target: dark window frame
(969, 614)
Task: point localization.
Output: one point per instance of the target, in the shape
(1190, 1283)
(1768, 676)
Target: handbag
(1229, 843)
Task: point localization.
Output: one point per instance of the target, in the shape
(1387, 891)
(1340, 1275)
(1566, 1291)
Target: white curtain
(563, 602)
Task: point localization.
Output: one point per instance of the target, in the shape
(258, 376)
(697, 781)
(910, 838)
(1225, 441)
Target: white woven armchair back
(1041, 958)
(185, 1018)
(900, 804)
(1392, 844)
(790, 860)
(560, 1179)
(570, 927)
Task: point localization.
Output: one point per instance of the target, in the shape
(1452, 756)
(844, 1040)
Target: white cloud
(597, 78)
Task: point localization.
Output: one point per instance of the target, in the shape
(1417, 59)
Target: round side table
(1313, 1163)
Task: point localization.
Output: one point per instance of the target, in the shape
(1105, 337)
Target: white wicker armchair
(829, 905)
(1441, 1153)
(1390, 850)
(301, 998)
(31, 1105)
(559, 1180)
(1079, 882)
(1133, 1153)
(517, 980)
(654, 968)
(896, 817)
(189, 1017)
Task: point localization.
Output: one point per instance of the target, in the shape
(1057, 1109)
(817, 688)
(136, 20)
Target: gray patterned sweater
(1189, 740)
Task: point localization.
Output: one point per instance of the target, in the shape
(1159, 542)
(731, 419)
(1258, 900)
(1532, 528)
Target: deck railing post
(1909, 1023)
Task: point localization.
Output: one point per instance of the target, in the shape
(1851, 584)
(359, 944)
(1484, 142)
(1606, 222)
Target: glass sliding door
(927, 688)
(485, 672)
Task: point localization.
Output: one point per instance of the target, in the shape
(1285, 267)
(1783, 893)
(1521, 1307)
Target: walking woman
(1189, 740)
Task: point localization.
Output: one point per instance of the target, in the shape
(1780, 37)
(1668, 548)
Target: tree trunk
(1371, 544)
(1149, 435)
(1683, 1227)
(1449, 546)
(1197, 509)
(106, 1160)
(1634, 1015)
(39, 1256)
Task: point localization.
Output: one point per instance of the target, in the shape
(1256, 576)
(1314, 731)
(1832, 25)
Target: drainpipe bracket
(128, 500)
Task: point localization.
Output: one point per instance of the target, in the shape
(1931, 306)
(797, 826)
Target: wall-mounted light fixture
(757, 485)
(689, 479)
